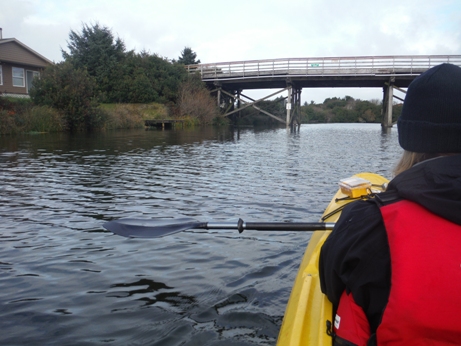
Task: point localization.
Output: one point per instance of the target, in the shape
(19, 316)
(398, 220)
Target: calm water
(64, 280)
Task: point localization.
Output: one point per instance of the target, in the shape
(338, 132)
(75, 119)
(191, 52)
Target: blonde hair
(409, 159)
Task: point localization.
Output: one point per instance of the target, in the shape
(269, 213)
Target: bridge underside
(232, 87)
(279, 82)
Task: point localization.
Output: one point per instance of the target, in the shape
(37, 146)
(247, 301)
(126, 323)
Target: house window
(30, 75)
(1, 75)
(18, 77)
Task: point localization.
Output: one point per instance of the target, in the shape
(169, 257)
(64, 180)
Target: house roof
(17, 53)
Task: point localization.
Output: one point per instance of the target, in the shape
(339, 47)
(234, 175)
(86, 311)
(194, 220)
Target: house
(19, 64)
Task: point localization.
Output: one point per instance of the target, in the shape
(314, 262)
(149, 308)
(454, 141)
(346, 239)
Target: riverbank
(20, 115)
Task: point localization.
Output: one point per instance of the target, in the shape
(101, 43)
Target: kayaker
(392, 265)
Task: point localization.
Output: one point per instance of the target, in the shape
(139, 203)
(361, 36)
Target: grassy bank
(129, 116)
(133, 115)
(20, 115)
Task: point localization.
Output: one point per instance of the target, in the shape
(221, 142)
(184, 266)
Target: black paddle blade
(151, 228)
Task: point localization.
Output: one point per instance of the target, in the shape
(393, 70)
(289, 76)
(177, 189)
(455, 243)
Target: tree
(123, 76)
(344, 115)
(97, 50)
(188, 57)
(72, 92)
(368, 111)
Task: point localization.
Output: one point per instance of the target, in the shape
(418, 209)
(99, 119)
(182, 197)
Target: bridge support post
(295, 120)
(388, 99)
(239, 95)
(288, 121)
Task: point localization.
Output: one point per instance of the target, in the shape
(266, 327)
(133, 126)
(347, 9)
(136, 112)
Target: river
(65, 280)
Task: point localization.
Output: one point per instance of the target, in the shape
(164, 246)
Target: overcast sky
(239, 30)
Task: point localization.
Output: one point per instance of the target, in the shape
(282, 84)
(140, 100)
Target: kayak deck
(308, 309)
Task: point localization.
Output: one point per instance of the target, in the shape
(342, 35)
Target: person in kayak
(392, 264)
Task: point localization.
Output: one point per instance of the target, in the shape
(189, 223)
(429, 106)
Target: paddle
(155, 228)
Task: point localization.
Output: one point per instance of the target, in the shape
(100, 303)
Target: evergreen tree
(97, 50)
(188, 57)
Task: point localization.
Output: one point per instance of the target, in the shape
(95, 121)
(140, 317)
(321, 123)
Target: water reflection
(144, 287)
(100, 144)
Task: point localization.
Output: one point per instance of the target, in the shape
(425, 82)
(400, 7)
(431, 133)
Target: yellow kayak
(308, 309)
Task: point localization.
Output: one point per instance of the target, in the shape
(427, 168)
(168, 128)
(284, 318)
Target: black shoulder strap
(386, 198)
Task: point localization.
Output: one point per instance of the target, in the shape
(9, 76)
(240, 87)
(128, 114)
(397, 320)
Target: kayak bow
(308, 309)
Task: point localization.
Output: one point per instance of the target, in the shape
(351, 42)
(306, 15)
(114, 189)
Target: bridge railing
(330, 66)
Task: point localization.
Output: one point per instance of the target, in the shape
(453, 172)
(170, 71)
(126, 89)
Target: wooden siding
(7, 86)
(14, 52)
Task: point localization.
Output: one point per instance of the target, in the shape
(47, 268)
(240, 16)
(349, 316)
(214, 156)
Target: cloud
(244, 30)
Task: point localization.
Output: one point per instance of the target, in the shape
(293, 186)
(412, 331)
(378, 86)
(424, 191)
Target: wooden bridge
(294, 74)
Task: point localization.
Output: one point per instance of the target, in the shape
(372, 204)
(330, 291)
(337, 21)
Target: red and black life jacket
(424, 306)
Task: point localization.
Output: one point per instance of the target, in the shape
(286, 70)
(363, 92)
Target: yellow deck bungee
(308, 309)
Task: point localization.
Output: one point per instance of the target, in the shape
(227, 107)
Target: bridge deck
(320, 72)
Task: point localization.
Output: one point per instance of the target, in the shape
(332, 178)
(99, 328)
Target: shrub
(194, 100)
(73, 93)
(220, 121)
(7, 123)
(43, 119)
(12, 111)
(124, 116)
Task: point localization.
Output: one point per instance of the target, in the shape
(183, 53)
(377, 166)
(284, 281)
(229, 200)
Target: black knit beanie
(431, 115)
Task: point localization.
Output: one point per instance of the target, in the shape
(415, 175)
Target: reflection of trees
(147, 286)
(75, 147)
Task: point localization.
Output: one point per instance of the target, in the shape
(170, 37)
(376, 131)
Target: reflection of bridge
(387, 72)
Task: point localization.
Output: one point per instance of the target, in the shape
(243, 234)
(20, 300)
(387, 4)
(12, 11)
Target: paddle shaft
(271, 226)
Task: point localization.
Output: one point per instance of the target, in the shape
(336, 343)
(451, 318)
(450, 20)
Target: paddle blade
(151, 228)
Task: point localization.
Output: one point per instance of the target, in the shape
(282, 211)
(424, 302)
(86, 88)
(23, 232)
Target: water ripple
(65, 280)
